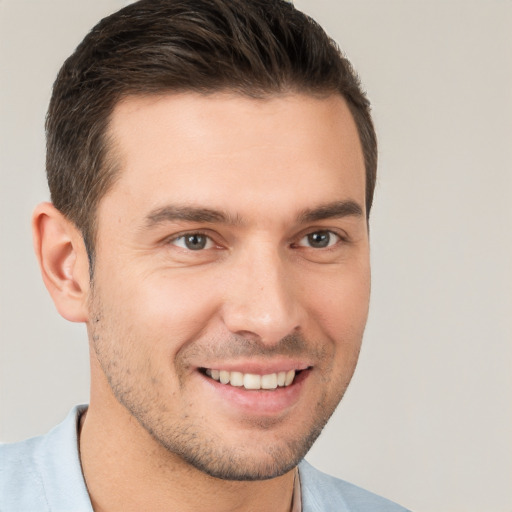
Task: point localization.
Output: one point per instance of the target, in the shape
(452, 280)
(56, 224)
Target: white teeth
(251, 380)
(269, 381)
(289, 377)
(236, 379)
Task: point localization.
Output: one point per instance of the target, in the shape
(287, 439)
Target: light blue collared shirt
(43, 474)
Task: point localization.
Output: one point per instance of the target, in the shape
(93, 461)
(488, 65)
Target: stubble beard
(185, 437)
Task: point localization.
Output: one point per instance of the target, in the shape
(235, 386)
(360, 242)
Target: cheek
(164, 311)
(340, 313)
(341, 304)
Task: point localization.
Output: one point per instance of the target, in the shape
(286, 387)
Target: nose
(261, 299)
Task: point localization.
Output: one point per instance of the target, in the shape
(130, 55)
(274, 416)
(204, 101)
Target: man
(211, 166)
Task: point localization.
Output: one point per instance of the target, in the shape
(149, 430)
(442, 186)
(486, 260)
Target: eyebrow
(189, 214)
(334, 210)
(173, 213)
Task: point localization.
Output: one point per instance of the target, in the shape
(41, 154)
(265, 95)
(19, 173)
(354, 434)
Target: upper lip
(258, 367)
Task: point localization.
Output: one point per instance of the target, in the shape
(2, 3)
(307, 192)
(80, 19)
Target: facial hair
(140, 386)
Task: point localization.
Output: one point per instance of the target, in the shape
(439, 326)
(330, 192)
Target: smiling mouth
(253, 381)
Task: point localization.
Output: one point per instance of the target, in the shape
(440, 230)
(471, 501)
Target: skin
(259, 181)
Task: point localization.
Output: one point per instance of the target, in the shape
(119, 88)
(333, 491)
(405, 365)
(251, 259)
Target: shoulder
(43, 473)
(21, 484)
(325, 493)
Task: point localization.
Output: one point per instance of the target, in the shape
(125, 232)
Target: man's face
(233, 246)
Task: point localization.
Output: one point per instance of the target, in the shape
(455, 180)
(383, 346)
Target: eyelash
(210, 243)
(331, 234)
(185, 236)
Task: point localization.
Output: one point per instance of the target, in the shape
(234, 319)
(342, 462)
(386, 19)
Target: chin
(260, 457)
(238, 467)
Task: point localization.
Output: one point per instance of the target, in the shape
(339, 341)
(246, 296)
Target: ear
(63, 261)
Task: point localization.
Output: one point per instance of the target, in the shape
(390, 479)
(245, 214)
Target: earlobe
(63, 261)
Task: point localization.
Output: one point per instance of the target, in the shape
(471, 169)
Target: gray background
(427, 420)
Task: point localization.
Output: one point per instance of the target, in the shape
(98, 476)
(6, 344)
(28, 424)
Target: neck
(126, 470)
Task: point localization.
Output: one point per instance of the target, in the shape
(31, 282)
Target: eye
(319, 239)
(193, 242)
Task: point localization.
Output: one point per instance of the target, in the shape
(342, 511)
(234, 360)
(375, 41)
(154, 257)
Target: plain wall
(427, 420)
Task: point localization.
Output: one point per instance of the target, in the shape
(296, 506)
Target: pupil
(195, 242)
(319, 240)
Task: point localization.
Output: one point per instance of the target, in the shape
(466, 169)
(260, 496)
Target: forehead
(210, 148)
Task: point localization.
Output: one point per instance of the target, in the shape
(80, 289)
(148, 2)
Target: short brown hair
(252, 47)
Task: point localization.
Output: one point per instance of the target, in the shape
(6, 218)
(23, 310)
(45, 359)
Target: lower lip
(258, 402)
